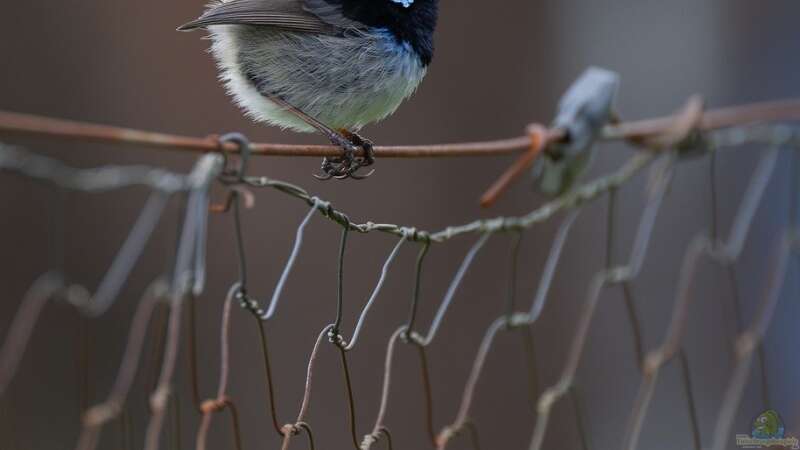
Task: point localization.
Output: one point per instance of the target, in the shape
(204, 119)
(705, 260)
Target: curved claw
(361, 177)
(323, 177)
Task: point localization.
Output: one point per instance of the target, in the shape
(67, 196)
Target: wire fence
(178, 289)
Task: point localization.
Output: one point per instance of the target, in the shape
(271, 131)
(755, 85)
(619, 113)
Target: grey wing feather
(286, 14)
(330, 14)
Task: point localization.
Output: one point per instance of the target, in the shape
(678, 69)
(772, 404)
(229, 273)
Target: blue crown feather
(405, 3)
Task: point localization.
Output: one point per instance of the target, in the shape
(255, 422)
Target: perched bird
(331, 66)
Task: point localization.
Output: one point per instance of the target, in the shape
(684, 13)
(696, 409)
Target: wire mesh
(186, 280)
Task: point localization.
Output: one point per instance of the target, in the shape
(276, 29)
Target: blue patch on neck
(405, 3)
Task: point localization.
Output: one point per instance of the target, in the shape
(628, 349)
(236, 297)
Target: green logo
(767, 431)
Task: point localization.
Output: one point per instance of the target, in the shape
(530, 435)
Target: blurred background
(498, 67)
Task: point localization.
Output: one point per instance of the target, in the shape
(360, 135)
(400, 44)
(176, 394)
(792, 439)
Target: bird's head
(411, 21)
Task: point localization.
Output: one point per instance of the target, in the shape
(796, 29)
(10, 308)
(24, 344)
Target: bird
(330, 66)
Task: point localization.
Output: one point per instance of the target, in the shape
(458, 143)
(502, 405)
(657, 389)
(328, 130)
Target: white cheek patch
(405, 3)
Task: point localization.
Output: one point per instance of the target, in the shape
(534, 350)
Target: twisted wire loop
(421, 342)
(410, 336)
(292, 429)
(661, 176)
(234, 178)
(404, 332)
(222, 400)
(380, 428)
(334, 335)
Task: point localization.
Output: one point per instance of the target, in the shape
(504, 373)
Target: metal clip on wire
(233, 177)
(245, 152)
(582, 112)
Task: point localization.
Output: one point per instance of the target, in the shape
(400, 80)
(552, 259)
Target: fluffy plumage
(344, 82)
(321, 57)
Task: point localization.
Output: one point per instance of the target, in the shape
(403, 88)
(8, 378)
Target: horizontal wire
(100, 179)
(27, 124)
(761, 134)
(581, 195)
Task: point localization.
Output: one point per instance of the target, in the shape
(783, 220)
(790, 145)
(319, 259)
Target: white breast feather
(344, 82)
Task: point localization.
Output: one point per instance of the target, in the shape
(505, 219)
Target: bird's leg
(346, 165)
(363, 161)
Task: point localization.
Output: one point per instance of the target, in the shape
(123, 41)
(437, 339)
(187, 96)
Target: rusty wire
(27, 124)
(637, 258)
(221, 401)
(188, 280)
(622, 276)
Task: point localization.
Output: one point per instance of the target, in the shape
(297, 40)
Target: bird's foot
(346, 165)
